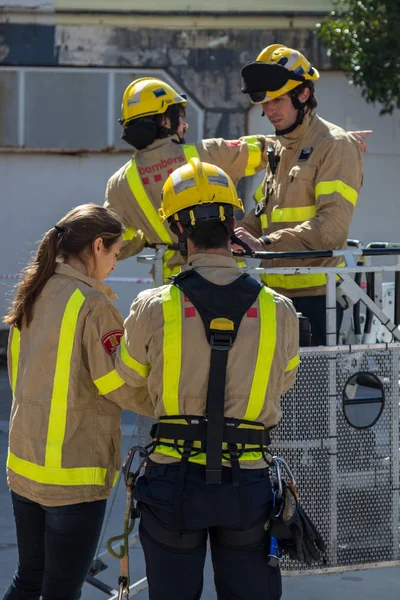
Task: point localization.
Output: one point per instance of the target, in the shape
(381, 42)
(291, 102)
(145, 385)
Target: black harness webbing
(221, 308)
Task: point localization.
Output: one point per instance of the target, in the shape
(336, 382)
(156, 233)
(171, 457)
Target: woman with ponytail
(67, 398)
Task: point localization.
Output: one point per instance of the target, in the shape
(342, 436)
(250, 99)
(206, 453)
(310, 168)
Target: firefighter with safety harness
(209, 355)
(313, 178)
(153, 120)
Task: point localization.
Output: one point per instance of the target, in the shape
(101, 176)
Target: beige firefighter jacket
(64, 445)
(134, 192)
(165, 355)
(309, 203)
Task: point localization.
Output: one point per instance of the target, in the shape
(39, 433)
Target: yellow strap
(132, 363)
(59, 397)
(258, 194)
(201, 458)
(324, 188)
(56, 475)
(254, 157)
(293, 362)
(190, 151)
(172, 348)
(137, 189)
(296, 282)
(108, 383)
(293, 215)
(15, 345)
(265, 355)
(129, 234)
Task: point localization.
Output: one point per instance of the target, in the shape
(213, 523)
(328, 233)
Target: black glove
(298, 535)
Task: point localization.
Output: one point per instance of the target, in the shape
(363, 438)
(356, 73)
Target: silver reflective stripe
(181, 184)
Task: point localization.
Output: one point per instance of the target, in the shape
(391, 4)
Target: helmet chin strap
(300, 106)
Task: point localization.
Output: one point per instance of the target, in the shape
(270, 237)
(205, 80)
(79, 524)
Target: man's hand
(254, 243)
(359, 137)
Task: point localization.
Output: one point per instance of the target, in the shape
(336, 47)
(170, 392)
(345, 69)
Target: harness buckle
(221, 340)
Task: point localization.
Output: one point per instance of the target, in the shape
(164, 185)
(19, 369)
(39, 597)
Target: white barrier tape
(129, 280)
(109, 280)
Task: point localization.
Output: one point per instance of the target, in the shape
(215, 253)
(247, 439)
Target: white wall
(377, 215)
(37, 190)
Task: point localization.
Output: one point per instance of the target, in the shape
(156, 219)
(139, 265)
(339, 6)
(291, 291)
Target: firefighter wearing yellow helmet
(153, 121)
(209, 356)
(312, 182)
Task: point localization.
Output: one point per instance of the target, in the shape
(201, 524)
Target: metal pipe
(324, 253)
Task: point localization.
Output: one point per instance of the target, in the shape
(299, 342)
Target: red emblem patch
(252, 313)
(111, 340)
(234, 143)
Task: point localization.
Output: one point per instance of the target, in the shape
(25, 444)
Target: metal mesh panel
(348, 478)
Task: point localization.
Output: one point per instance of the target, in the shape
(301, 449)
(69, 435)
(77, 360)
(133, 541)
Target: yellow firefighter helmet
(276, 71)
(196, 185)
(148, 96)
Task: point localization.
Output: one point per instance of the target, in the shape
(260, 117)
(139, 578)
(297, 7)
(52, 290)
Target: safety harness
(221, 309)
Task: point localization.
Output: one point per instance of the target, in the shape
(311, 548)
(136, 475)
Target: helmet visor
(260, 78)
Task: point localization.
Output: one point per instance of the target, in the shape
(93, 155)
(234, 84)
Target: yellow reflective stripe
(129, 234)
(56, 476)
(190, 151)
(108, 383)
(115, 478)
(15, 344)
(323, 188)
(132, 363)
(254, 157)
(300, 281)
(293, 362)
(264, 221)
(293, 282)
(137, 189)
(291, 215)
(265, 355)
(172, 348)
(201, 458)
(58, 407)
(258, 194)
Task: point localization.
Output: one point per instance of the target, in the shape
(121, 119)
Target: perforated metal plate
(348, 478)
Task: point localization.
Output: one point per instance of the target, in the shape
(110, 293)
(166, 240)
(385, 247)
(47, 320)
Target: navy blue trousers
(240, 573)
(56, 546)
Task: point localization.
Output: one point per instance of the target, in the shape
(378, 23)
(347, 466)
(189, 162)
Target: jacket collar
(200, 260)
(293, 138)
(68, 271)
(174, 139)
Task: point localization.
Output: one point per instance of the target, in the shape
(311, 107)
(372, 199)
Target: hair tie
(59, 229)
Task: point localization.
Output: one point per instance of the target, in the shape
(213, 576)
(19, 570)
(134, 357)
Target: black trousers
(314, 308)
(56, 546)
(239, 573)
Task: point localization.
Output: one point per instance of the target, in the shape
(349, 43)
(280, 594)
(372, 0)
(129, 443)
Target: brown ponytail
(73, 235)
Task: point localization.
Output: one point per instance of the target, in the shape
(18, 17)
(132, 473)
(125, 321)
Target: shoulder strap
(221, 308)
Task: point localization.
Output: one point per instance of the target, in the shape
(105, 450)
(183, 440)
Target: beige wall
(172, 5)
(192, 6)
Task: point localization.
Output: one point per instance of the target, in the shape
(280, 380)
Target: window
(67, 109)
